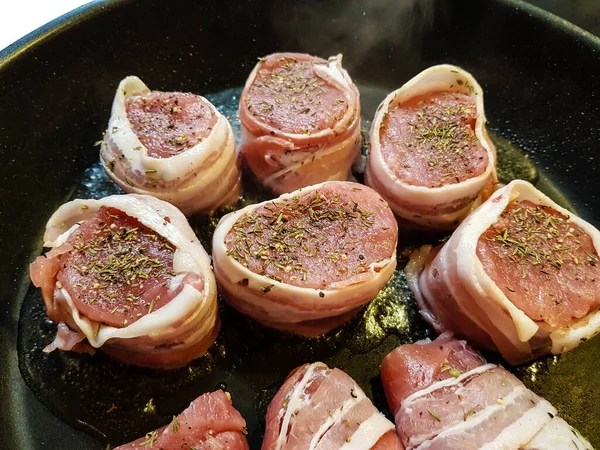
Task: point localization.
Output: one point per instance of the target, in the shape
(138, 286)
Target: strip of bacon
(173, 146)
(139, 288)
(430, 155)
(519, 276)
(209, 423)
(444, 395)
(307, 261)
(319, 408)
(300, 118)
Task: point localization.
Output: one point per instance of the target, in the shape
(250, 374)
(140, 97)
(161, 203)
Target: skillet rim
(38, 36)
(73, 18)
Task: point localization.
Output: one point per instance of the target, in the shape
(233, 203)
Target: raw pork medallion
(172, 145)
(444, 396)
(307, 261)
(300, 118)
(319, 408)
(430, 156)
(209, 423)
(127, 274)
(519, 276)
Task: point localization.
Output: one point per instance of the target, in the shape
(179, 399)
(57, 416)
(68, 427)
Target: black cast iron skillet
(541, 82)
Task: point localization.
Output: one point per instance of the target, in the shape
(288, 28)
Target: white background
(19, 17)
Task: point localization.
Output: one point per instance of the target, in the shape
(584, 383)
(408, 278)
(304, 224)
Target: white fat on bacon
(368, 433)
(558, 435)
(167, 337)
(455, 293)
(288, 159)
(319, 408)
(441, 207)
(198, 179)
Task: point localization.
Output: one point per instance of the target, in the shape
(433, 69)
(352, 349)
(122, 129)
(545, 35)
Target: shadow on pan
(541, 79)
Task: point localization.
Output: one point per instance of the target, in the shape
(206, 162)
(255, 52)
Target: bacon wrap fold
(285, 161)
(319, 408)
(444, 396)
(199, 179)
(440, 208)
(455, 293)
(166, 338)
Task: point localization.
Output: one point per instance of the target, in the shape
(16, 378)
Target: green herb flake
(468, 414)
(268, 288)
(455, 373)
(149, 439)
(434, 415)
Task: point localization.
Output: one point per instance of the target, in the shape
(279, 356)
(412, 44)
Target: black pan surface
(541, 80)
